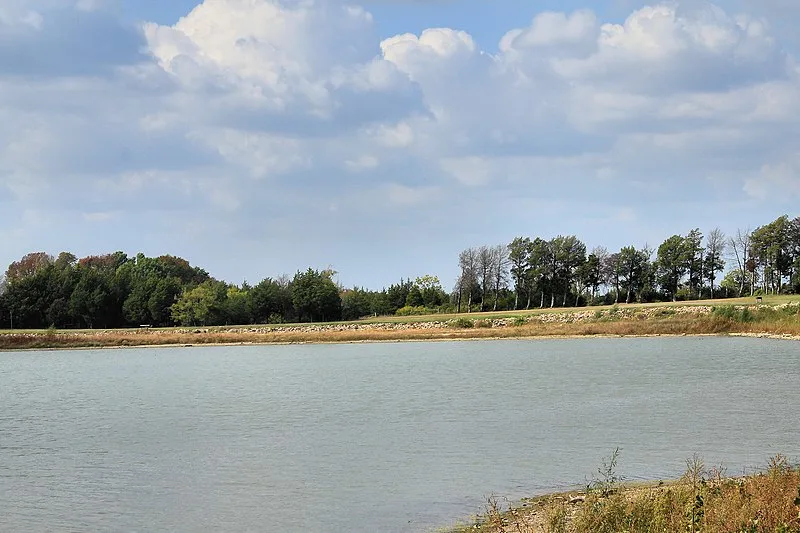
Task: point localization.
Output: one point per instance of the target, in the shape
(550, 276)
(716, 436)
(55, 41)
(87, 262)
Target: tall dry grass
(702, 501)
(723, 320)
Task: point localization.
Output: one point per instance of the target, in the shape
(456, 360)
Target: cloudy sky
(259, 137)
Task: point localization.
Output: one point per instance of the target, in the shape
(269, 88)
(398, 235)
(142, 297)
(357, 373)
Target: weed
(606, 483)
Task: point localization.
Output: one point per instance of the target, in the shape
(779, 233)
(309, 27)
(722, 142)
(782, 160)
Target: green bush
(462, 322)
(518, 321)
(275, 318)
(413, 310)
(733, 313)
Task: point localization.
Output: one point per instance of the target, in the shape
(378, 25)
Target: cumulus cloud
(289, 126)
(290, 67)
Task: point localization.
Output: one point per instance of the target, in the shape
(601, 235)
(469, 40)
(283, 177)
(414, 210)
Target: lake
(370, 437)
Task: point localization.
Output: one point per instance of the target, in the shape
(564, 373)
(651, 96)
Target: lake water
(370, 437)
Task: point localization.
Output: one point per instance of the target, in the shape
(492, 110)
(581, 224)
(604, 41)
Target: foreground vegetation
(702, 500)
(777, 316)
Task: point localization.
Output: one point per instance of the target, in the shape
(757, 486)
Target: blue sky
(259, 137)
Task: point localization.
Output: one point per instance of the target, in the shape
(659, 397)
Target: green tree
(414, 298)
(269, 299)
(163, 296)
(198, 306)
(356, 303)
(539, 262)
(636, 272)
(694, 251)
(519, 251)
(772, 251)
(316, 297)
(671, 264)
(588, 274)
(92, 301)
(397, 295)
(236, 308)
(430, 289)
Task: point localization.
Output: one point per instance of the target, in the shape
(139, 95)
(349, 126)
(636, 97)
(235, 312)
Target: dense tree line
(115, 290)
(534, 272)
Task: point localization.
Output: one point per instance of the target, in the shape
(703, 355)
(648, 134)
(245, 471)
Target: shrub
(518, 321)
(275, 318)
(462, 322)
(483, 323)
(733, 313)
(413, 310)
(608, 479)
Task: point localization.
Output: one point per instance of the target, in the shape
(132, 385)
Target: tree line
(534, 272)
(114, 290)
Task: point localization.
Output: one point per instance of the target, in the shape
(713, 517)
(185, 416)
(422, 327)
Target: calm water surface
(373, 437)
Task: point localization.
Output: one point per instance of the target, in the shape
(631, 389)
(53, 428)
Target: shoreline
(761, 321)
(752, 335)
(703, 498)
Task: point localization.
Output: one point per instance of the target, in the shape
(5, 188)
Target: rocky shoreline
(639, 321)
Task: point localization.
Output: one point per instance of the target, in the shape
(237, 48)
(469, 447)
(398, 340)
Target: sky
(380, 138)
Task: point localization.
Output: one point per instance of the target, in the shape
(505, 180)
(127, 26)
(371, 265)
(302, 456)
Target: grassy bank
(703, 500)
(778, 316)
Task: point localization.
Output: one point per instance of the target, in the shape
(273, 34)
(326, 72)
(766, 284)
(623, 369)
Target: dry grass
(611, 321)
(701, 501)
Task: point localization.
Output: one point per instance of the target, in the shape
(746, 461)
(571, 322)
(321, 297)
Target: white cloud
(777, 183)
(250, 119)
(253, 62)
(362, 163)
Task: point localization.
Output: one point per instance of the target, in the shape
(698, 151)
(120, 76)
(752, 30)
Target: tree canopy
(114, 290)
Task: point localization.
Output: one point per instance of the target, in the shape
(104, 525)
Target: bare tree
(500, 264)
(485, 272)
(602, 254)
(468, 262)
(741, 245)
(611, 271)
